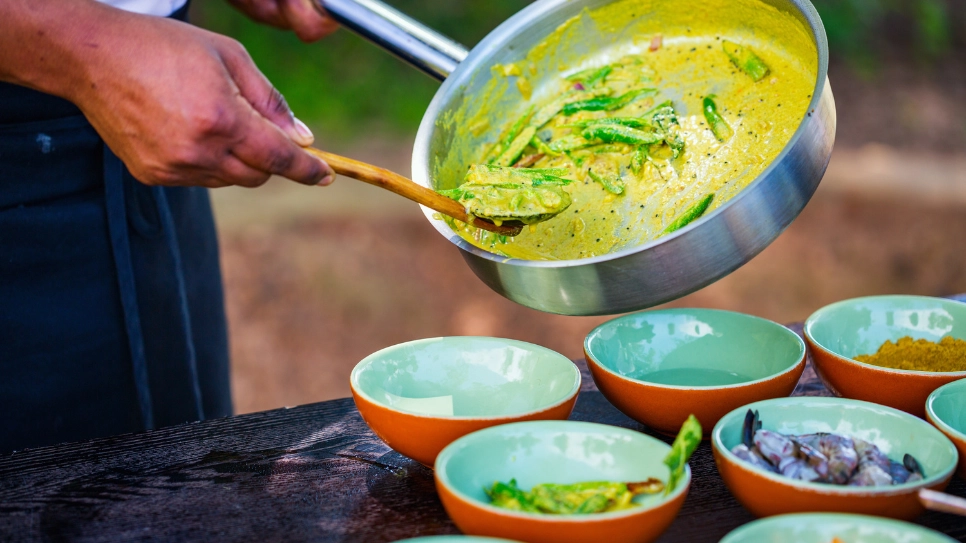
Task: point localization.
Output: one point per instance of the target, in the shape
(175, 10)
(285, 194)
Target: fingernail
(304, 136)
(327, 180)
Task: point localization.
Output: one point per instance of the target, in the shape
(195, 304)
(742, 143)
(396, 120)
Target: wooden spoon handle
(940, 501)
(406, 188)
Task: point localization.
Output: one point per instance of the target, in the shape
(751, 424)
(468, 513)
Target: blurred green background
(343, 85)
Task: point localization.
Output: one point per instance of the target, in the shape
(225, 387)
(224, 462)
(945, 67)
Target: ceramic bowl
(555, 452)
(894, 432)
(824, 527)
(946, 410)
(849, 328)
(454, 539)
(420, 396)
(660, 366)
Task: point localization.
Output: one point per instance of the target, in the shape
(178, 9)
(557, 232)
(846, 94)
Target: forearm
(48, 45)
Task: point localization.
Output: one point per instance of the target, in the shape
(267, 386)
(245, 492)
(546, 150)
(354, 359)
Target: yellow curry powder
(919, 354)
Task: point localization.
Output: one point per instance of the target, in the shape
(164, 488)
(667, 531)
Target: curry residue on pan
(626, 191)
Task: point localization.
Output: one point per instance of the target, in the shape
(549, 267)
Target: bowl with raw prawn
(813, 454)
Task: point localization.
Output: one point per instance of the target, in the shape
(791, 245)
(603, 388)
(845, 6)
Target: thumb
(263, 96)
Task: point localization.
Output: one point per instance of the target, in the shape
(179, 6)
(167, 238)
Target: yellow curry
(636, 145)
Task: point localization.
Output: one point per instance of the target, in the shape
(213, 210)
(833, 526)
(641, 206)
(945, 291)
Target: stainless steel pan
(636, 277)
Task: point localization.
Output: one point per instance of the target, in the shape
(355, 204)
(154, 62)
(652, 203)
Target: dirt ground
(315, 282)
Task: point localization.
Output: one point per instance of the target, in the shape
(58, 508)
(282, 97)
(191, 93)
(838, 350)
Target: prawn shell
(767, 494)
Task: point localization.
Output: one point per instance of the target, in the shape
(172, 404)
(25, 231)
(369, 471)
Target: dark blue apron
(111, 309)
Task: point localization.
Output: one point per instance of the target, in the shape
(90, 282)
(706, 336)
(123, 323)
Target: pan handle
(399, 34)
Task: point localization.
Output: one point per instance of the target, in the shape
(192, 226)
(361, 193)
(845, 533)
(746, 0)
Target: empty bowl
(894, 432)
(825, 527)
(842, 330)
(660, 366)
(420, 396)
(946, 409)
(563, 452)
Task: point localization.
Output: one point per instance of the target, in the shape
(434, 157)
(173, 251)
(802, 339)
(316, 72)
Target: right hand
(182, 106)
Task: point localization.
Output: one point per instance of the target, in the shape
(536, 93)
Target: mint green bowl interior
(947, 406)
(894, 432)
(694, 347)
(861, 325)
(465, 376)
(561, 452)
(822, 527)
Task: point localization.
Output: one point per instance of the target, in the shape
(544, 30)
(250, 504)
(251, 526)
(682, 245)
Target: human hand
(183, 106)
(300, 16)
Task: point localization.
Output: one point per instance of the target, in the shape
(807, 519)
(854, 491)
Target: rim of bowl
(357, 390)
(810, 321)
(858, 520)
(789, 369)
(936, 419)
(821, 488)
(442, 458)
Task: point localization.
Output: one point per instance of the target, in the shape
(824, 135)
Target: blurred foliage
(861, 31)
(345, 86)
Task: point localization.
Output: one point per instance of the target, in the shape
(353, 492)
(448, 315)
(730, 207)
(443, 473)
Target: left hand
(300, 16)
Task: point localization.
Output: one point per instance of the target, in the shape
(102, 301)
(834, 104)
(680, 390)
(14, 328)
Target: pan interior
(529, 56)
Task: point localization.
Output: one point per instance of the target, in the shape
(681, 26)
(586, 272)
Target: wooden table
(309, 473)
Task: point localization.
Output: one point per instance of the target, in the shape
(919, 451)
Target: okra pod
(690, 214)
(745, 59)
(606, 103)
(615, 133)
(613, 185)
(716, 122)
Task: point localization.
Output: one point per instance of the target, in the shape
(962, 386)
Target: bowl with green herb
(555, 481)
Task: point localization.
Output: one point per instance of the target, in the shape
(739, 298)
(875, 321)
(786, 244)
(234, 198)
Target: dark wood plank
(310, 473)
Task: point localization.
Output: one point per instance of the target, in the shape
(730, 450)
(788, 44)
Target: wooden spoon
(406, 188)
(940, 501)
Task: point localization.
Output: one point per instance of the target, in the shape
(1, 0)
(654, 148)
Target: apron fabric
(111, 307)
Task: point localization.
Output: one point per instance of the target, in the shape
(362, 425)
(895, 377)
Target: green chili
(591, 76)
(550, 110)
(606, 103)
(691, 214)
(632, 122)
(687, 440)
(613, 185)
(516, 147)
(615, 133)
(745, 59)
(569, 143)
(716, 122)
(637, 161)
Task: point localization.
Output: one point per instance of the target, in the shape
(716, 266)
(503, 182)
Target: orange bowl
(562, 452)
(946, 410)
(420, 396)
(658, 367)
(894, 432)
(845, 329)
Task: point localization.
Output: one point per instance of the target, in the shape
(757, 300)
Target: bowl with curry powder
(891, 350)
